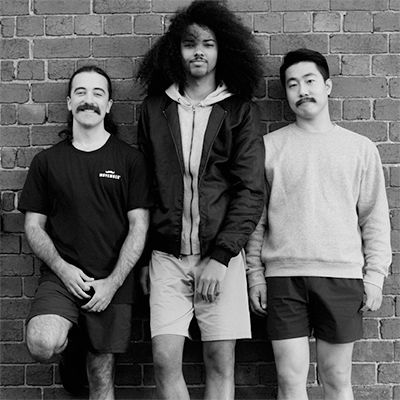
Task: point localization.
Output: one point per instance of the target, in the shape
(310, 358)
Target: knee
(166, 362)
(219, 364)
(42, 348)
(292, 378)
(334, 376)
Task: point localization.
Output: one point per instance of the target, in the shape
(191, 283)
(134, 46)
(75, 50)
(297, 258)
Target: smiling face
(199, 52)
(89, 100)
(306, 90)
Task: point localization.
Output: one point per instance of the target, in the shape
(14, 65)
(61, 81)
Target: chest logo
(109, 174)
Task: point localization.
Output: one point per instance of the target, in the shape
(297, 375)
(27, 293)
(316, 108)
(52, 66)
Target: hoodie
(193, 119)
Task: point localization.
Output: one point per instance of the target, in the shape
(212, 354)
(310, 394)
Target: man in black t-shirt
(86, 203)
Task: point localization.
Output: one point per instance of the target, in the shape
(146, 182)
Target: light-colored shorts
(174, 300)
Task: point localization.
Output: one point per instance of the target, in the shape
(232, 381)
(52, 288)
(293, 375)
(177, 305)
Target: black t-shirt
(86, 197)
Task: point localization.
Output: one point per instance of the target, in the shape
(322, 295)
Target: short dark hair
(109, 124)
(299, 55)
(238, 65)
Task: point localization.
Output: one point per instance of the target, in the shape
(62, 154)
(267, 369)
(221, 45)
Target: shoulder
(279, 135)
(156, 101)
(352, 138)
(52, 152)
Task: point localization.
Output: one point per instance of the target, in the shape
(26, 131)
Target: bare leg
(334, 368)
(292, 360)
(219, 360)
(47, 336)
(167, 356)
(100, 368)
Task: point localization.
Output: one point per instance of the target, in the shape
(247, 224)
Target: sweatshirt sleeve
(255, 266)
(373, 215)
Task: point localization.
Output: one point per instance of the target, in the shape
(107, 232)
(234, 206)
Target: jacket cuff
(374, 278)
(221, 255)
(255, 278)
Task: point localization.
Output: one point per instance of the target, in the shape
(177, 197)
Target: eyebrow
(304, 76)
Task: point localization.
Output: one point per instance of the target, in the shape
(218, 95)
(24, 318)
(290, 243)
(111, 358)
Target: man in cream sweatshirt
(324, 238)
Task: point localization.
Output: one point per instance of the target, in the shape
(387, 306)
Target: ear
(328, 84)
(69, 103)
(110, 103)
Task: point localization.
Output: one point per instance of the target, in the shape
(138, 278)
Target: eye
(80, 92)
(310, 81)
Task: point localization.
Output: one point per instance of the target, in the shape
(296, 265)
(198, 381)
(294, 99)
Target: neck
(199, 89)
(89, 139)
(320, 123)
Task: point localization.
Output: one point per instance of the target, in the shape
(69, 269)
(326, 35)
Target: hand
(258, 300)
(145, 280)
(76, 281)
(373, 298)
(104, 290)
(210, 281)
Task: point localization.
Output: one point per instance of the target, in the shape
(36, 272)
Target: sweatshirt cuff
(255, 278)
(221, 255)
(374, 278)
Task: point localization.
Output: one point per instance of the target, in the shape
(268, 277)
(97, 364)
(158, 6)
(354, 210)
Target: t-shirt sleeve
(139, 183)
(35, 195)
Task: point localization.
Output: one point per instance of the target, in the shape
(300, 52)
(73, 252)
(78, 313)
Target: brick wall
(43, 41)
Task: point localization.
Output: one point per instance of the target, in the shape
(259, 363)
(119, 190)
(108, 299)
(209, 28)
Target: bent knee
(43, 348)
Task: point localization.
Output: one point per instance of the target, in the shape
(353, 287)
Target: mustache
(305, 100)
(199, 58)
(87, 106)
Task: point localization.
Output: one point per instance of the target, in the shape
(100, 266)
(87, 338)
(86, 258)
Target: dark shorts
(107, 332)
(328, 308)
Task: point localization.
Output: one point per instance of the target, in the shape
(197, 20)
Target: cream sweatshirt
(193, 119)
(327, 212)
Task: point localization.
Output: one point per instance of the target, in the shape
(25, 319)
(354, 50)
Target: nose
(303, 90)
(198, 51)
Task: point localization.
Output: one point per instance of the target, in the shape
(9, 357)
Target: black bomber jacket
(231, 175)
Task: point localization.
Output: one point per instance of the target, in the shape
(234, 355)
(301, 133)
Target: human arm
(373, 217)
(75, 280)
(129, 254)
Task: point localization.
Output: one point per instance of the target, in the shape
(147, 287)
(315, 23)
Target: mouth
(305, 100)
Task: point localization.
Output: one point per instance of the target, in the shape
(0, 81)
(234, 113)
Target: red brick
(394, 131)
(7, 204)
(14, 7)
(127, 90)
(62, 7)
(60, 69)
(61, 48)
(148, 24)
(395, 223)
(8, 157)
(30, 285)
(299, 5)
(12, 375)
(394, 43)
(370, 329)
(168, 5)
(59, 26)
(120, 68)
(39, 375)
(326, 22)
(30, 26)
(14, 93)
(7, 71)
(247, 6)
(373, 351)
(7, 27)
(12, 180)
(389, 373)
(359, 87)
(390, 328)
(14, 48)
(379, 392)
(268, 23)
(387, 22)
(392, 282)
(29, 70)
(387, 308)
(394, 87)
(31, 114)
(45, 135)
(246, 374)
(13, 222)
(361, 5)
(118, 24)
(281, 44)
(49, 92)
(297, 22)
(358, 43)
(358, 21)
(89, 61)
(395, 239)
(395, 176)
(356, 65)
(386, 65)
(14, 309)
(57, 112)
(11, 331)
(394, 5)
(363, 374)
(128, 133)
(25, 156)
(9, 244)
(88, 25)
(116, 6)
(270, 110)
(23, 393)
(122, 113)
(120, 46)
(10, 287)
(387, 109)
(356, 109)
(14, 136)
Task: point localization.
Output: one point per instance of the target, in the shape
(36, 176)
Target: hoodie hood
(219, 94)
